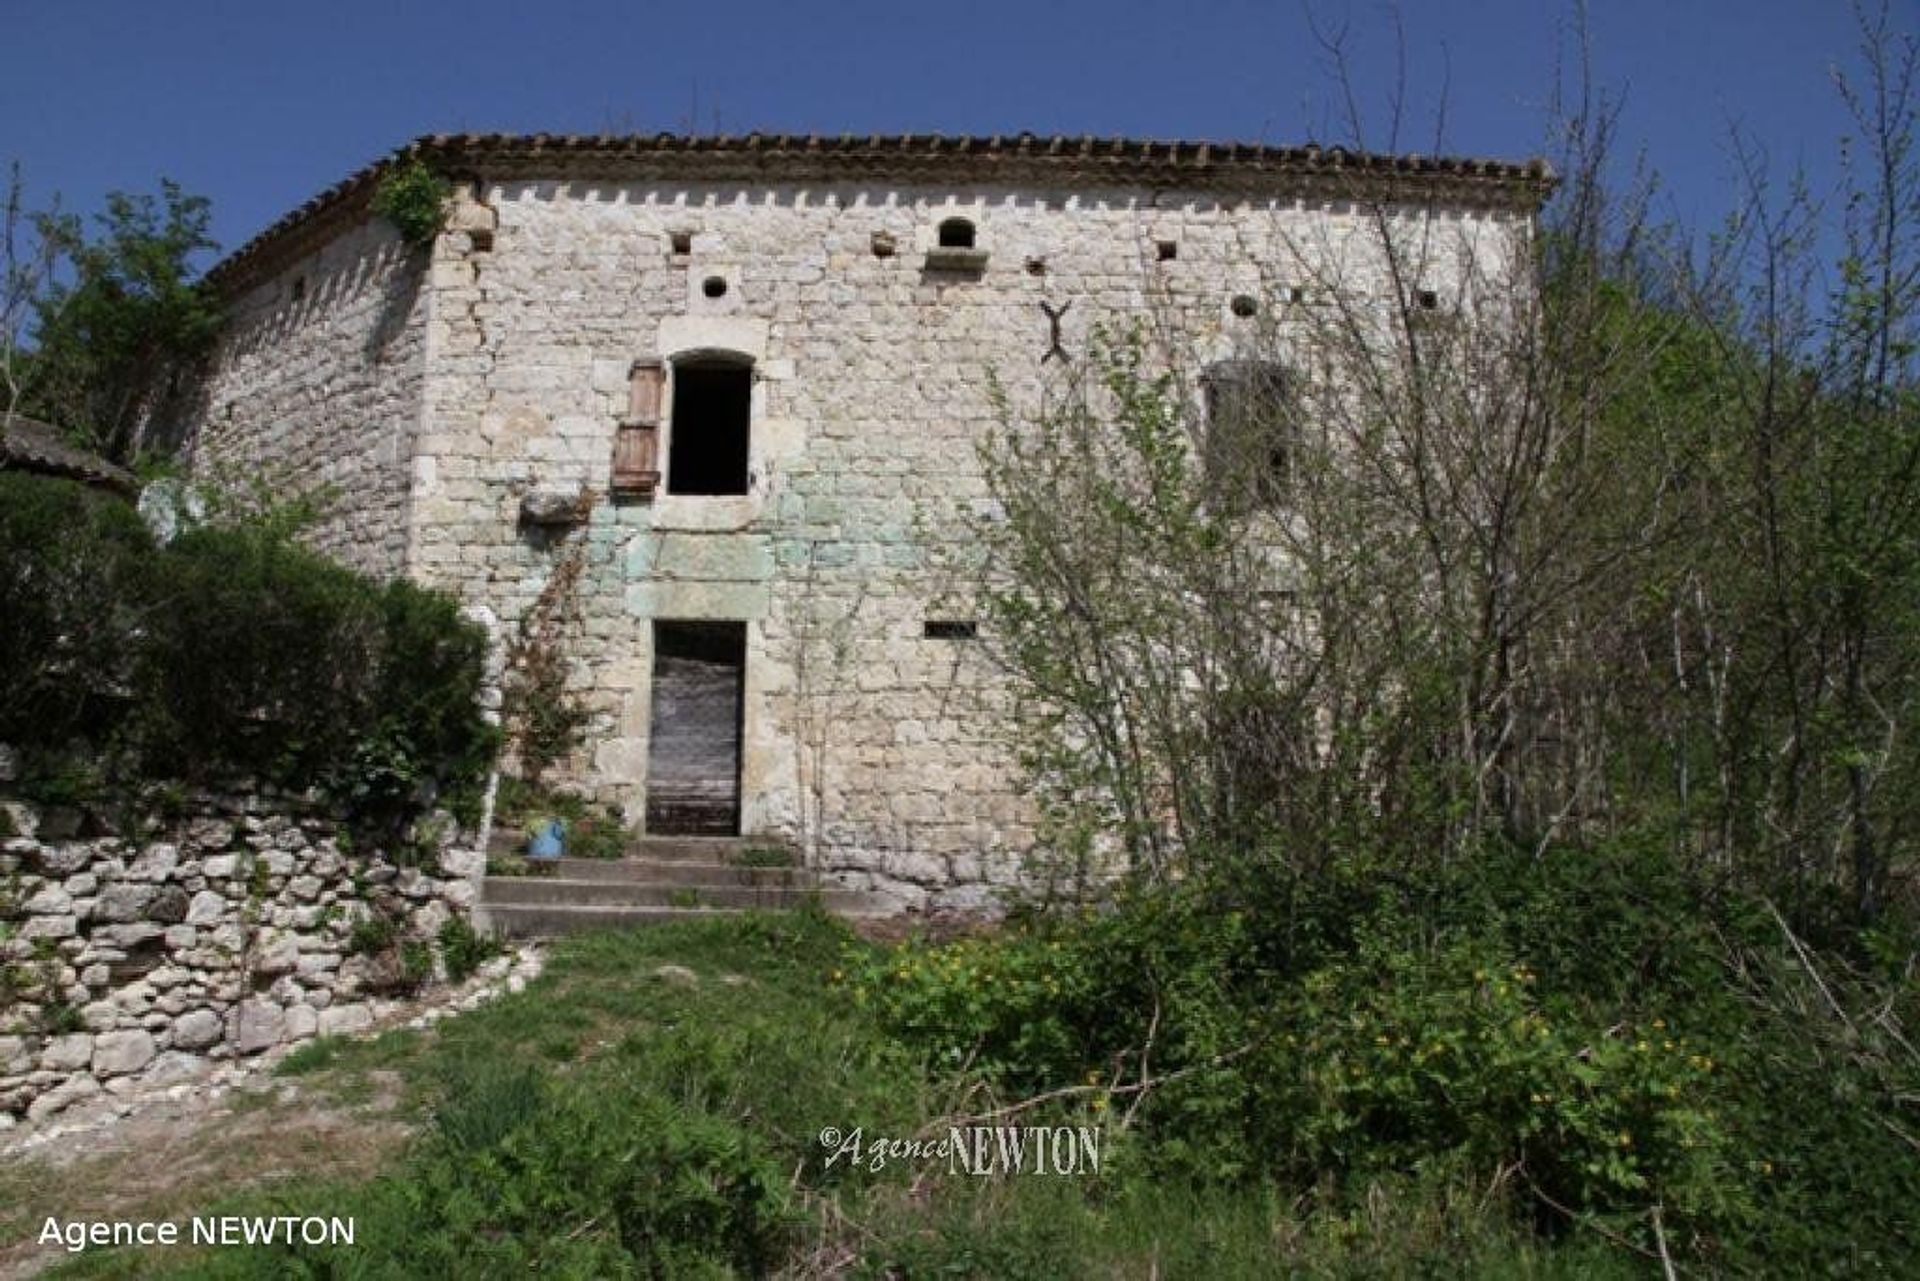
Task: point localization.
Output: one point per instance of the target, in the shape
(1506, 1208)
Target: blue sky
(260, 104)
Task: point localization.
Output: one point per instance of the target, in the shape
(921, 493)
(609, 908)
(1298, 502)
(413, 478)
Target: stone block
(59, 861)
(317, 964)
(63, 1096)
(302, 1022)
(129, 936)
(155, 863)
(123, 902)
(278, 954)
(197, 1029)
(67, 1053)
(118, 1053)
(256, 1025)
(206, 908)
(462, 863)
(174, 1066)
(50, 927)
(345, 1020)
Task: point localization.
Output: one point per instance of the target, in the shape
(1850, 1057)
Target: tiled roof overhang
(1024, 159)
(31, 445)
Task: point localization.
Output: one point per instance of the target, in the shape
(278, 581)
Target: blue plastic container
(549, 840)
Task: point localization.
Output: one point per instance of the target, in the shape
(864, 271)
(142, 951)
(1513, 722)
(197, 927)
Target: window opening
(707, 441)
(1250, 432)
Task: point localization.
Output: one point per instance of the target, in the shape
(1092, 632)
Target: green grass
(609, 1121)
(769, 856)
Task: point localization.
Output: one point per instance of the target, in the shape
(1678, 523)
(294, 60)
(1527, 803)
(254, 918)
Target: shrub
(258, 658)
(72, 576)
(231, 655)
(463, 948)
(414, 199)
(1563, 1026)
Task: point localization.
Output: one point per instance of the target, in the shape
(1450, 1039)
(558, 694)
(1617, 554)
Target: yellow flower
(1659, 1024)
(1626, 1140)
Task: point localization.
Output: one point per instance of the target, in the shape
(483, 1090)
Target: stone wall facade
(315, 386)
(877, 747)
(125, 964)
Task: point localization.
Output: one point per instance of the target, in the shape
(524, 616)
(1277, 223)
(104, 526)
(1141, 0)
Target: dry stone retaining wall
(127, 964)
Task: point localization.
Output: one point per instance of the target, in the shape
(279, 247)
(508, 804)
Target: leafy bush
(372, 933)
(1563, 1026)
(73, 568)
(463, 948)
(1025, 1009)
(231, 654)
(414, 199)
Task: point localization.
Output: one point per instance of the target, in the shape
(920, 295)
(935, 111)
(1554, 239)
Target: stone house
(706, 401)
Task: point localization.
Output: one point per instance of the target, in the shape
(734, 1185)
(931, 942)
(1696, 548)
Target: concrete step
(670, 870)
(547, 920)
(507, 843)
(526, 891)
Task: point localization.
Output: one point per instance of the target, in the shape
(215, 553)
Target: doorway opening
(699, 702)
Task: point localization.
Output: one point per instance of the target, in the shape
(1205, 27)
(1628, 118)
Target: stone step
(508, 842)
(678, 872)
(548, 920)
(525, 891)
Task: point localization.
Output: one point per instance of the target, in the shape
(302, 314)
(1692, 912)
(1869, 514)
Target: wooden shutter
(636, 441)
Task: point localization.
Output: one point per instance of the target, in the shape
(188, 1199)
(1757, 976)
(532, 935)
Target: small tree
(118, 330)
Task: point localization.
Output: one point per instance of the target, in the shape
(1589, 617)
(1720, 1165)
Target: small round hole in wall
(714, 286)
(1243, 305)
